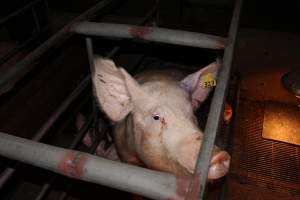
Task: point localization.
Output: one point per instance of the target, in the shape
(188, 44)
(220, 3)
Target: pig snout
(188, 153)
(219, 165)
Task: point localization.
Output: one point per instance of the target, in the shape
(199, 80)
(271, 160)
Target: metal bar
(92, 150)
(154, 34)
(8, 172)
(233, 126)
(15, 50)
(217, 107)
(83, 166)
(36, 21)
(9, 78)
(73, 145)
(17, 12)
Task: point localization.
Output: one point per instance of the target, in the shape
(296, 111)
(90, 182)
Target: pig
(153, 117)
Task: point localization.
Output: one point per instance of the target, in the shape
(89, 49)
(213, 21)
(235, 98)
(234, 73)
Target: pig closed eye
(156, 117)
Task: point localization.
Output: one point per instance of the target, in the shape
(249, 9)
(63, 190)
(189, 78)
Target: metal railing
(145, 182)
(37, 27)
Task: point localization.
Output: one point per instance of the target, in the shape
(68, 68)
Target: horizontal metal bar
(8, 79)
(79, 165)
(8, 172)
(217, 105)
(154, 34)
(74, 143)
(17, 12)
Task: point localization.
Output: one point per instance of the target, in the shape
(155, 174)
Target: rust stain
(221, 44)
(73, 164)
(139, 32)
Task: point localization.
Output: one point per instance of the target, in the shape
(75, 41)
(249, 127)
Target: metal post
(79, 165)
(154, 34)
(11, 76)
(217, 107)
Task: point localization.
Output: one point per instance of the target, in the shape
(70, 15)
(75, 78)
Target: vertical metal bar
(232, 130)
(36, 21)
(217, 107)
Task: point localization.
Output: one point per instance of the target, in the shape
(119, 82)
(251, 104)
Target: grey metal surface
(217, 106)
(154, 34)
(145, 182)
(12, 75)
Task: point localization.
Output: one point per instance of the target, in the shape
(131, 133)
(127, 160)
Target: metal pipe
(8, 172)
(17, 12)
(11, 76)
(83, 166)
(217, 107)
(74, 143)
(147, 33)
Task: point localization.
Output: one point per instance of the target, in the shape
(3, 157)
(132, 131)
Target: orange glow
(282, 123)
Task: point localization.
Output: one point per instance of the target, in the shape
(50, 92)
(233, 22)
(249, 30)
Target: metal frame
(162, 35)
(12, 75)
(215, 115)
(30, 6)
(149, 183)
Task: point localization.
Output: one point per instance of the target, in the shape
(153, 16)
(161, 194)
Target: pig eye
(156, 117)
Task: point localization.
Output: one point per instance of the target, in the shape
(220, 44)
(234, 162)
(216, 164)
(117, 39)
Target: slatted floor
(265, 163)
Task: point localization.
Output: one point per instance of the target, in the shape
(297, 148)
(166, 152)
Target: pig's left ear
(200, 83)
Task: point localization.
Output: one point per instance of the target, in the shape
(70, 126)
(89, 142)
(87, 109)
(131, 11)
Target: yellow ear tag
(209, 81)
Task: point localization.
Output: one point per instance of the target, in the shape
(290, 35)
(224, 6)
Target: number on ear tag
(209, 81)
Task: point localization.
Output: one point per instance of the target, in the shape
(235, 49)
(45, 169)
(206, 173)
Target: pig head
(154, 117)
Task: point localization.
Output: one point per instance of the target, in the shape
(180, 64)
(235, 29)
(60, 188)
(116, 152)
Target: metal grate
(270, 164)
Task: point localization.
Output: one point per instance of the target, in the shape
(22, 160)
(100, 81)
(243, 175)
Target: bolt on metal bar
(8, 172)
(24, 66)
(217, 105)
(83, 166)
(147, 33)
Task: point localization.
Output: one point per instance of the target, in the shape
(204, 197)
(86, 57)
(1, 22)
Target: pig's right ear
(195, 83)
(113, 88)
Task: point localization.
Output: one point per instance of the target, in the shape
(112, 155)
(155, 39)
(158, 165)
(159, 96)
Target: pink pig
(153, 116)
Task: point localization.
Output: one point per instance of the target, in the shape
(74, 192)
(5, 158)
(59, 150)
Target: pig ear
(114, 88)
(195, 83)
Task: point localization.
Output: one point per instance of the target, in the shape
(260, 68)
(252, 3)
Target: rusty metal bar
(8, 172)
(154, 34)
(83, 166)
(112, 53)
(11, 76)
(73, 145)
(217, 106)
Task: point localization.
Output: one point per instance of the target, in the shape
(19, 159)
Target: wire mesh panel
(265, 163)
